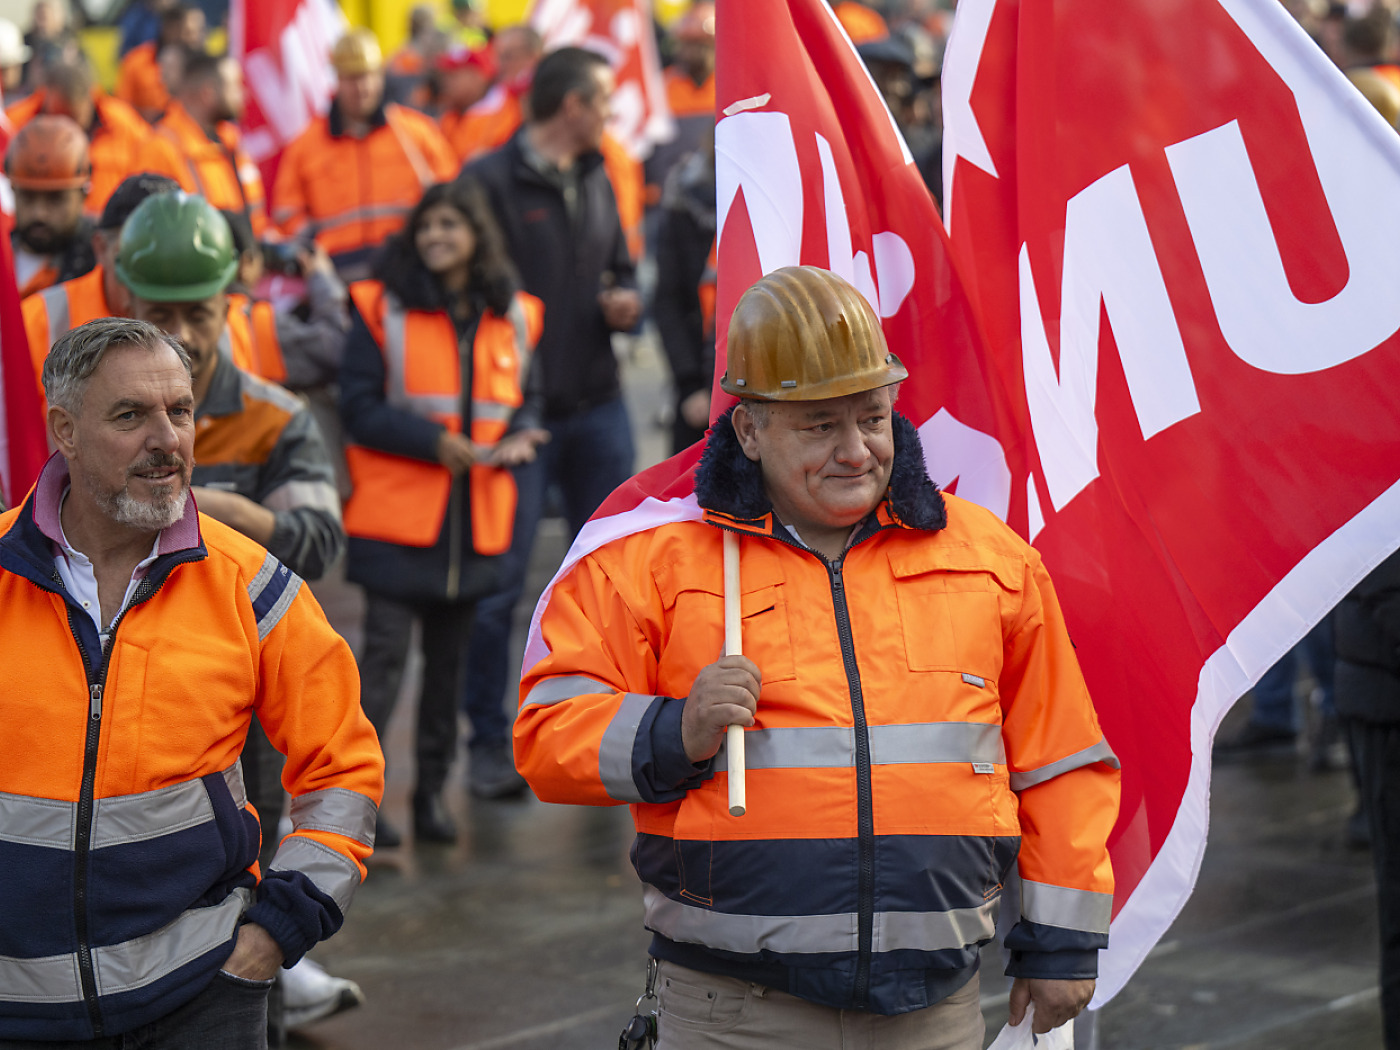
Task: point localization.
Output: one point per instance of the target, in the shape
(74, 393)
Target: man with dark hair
(176, 630)
(201, 123)
(549, 191)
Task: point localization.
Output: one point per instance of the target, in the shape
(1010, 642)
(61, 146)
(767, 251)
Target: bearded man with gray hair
(142, 637)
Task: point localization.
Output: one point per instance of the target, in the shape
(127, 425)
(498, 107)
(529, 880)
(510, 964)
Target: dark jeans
(388, 628)
(588, 455)
(1375, 748)
(231, 1014)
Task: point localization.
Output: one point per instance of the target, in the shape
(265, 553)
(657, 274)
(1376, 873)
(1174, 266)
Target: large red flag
(23, 445)
(620, 30)
(284, 47)
(1181, 227)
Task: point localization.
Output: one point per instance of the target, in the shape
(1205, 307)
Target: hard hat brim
(76, 182)
(177, 293)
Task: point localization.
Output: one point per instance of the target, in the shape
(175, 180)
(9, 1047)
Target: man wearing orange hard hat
(915, 714)
(48, 166)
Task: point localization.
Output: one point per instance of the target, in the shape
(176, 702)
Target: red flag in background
(621, 31)
(284, 47)
(1181, 227)
(23, 444)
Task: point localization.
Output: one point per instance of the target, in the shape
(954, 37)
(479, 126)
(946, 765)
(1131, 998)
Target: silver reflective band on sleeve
(1066, 908)
(615, 751)
(46, 822)
(1100, 752)
(272, 574)
(337, 810)
(818, 747)
(814, 934)
(150, 814)
(553, 690)
(263, 577)
(136, 963)
(318, 495)
(233, 777)
(332, 873)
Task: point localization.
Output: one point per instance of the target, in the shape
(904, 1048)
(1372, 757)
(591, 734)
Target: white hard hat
(13, 50)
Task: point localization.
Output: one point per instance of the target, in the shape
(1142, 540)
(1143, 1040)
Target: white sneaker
(310, 994)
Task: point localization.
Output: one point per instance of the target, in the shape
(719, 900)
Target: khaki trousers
(701, 1011)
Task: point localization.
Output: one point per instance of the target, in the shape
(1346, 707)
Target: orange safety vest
(219, 171)
(139, 81)
(624, 171)
(484, 127)
(354, 192)
(397, 499)
(685, 98)
(251, 337)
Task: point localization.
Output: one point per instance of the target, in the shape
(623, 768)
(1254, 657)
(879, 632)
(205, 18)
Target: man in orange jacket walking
(917, 717)
(133, 905)
(352, 176)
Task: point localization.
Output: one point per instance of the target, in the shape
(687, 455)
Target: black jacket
(565, 264)
(1368, 646)
(684, 238)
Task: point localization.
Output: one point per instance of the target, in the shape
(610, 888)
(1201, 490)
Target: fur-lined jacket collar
(729, 485)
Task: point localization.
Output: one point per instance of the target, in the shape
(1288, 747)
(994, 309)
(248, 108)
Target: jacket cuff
(1065, 965)
(295, 913)
(667, 771)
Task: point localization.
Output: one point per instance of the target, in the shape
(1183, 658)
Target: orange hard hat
(356, 52)
(49, 153)
(698, 23)
(804, 334)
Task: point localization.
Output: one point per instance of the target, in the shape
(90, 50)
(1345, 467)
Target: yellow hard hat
(804, 334)
(357, 52)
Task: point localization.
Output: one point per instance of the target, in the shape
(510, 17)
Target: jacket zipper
(82, 844)
(865, 799)
(865, 796)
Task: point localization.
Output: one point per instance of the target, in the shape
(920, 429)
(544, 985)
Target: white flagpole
(733, 646)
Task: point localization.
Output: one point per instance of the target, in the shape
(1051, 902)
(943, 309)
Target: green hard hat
(176, 248)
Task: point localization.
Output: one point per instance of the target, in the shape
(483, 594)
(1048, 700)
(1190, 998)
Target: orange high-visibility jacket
(251, 337)
(217, 170)
(351, 193)
(922, 718)
(139, 80)
(397, 499)
(120, 144)
(129, 850)
(486, 126)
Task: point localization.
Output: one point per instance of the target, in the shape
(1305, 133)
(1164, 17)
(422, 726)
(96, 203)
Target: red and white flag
(1163, 345)
(23, 444)
(284, 47)
(621, 31)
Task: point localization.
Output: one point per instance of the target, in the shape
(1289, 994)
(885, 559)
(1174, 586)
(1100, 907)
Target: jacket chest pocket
(951, 622)
(697, 633)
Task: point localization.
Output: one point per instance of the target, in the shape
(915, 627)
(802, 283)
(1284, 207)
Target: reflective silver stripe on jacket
(368, 213)
(615, 751)
(524, 345)
(813, 934)
(1100, 752)
(55, 298)
(293, 495)
(566, 687)
(337, 810)
(396, 391)
(334, 874)
(272, 573)
(127, 966)
(817, 747)
(1067, 908)
(116, 820)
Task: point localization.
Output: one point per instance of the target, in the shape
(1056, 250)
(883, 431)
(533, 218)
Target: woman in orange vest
(434, 406)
